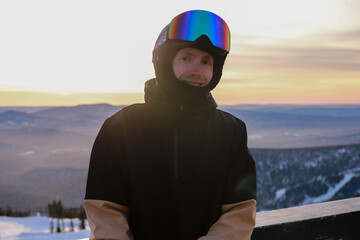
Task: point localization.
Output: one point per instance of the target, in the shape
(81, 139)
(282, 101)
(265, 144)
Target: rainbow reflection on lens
(190, 25)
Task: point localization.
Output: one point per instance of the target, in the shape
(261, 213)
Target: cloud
(316, 68)
(327, 51)
(340, 36)
(304, 58)
(27, 98)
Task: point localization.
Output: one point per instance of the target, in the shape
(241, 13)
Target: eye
(185, 58)
(206, 62)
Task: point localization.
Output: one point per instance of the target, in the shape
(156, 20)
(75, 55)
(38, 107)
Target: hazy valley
(303, 154)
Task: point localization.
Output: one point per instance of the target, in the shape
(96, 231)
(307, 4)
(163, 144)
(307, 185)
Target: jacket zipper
(176, 143)
(176, 163)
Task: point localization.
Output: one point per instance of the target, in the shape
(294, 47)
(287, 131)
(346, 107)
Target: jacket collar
(173, 103)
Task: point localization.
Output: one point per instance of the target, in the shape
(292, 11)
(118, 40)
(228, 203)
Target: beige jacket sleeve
(107, 220)
(236, 222)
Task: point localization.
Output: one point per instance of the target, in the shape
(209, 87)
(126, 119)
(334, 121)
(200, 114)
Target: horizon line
(236, 104)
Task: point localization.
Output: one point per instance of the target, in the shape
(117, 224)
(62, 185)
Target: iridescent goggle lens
(190, 25)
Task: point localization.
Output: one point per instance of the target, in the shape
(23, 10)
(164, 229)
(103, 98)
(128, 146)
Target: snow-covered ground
(38, 227)
(331, 190)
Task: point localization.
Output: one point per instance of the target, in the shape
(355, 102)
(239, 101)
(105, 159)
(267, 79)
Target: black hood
(163, 55)
(173, 105)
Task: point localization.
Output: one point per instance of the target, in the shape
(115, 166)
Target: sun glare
(104, 48)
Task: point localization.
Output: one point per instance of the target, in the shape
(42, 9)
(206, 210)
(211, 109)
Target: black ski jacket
(173, 166)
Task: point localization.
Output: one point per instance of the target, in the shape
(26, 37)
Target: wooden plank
(336, 227)
(306, 212)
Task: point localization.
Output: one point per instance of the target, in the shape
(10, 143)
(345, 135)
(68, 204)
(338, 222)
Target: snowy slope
(38, 228)
(294, 177)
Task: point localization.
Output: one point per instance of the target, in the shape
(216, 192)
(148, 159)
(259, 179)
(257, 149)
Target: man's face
(193, 66)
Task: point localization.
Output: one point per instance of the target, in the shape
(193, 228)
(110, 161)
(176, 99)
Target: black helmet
(199, 29)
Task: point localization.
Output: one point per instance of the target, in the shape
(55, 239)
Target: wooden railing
(335, 220)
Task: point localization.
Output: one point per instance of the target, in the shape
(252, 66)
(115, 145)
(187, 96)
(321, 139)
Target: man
(175, 167)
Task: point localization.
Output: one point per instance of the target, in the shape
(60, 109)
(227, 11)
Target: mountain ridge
(58, 140)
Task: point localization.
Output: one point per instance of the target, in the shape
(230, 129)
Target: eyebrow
(191, 54)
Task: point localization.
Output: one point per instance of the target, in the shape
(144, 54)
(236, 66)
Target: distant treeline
(55, 210)
(10, 213)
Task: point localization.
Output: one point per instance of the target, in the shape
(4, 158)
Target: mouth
(194, 82)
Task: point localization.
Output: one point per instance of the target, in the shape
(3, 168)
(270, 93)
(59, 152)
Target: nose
(196, 68)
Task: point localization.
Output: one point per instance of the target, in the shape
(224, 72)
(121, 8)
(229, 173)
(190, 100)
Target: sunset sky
(72, 52)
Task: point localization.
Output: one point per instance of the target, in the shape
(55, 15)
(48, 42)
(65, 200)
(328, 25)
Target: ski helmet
(196, 28)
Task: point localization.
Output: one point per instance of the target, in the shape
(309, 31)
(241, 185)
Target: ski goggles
(190, 25)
